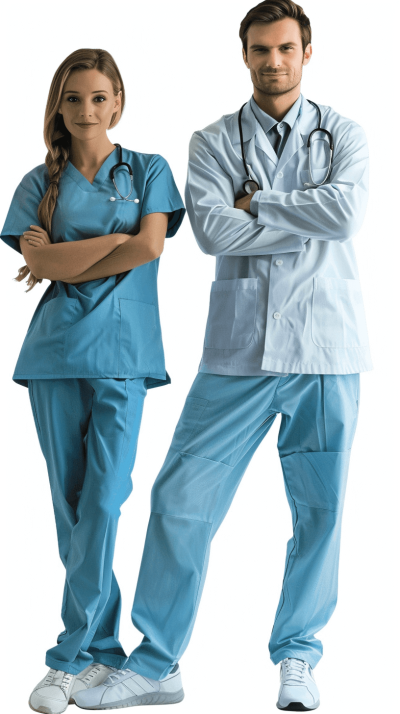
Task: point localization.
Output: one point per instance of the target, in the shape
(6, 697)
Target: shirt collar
(267, 122)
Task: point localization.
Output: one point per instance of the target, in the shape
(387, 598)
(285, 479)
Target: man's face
(275, 55)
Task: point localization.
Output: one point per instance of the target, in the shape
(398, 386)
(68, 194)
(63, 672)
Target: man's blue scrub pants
(88, 430)
(223, 421)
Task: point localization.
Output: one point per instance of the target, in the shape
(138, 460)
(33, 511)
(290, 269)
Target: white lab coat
(286, 296)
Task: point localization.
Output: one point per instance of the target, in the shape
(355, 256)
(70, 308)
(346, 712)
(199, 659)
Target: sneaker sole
(159, 698)
(298, 707)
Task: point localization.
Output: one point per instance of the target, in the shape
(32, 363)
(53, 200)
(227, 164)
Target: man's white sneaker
(90, 677)
(125, 688)
(51, 695)
(298, 691)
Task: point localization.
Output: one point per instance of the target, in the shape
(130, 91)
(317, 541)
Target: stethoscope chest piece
(249, 186)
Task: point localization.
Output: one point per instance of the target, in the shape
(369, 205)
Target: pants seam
(183, 518)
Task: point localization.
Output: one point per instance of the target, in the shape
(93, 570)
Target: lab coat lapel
(299, 133)
(253, 136)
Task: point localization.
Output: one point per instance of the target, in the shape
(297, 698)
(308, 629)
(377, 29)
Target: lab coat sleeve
(219, 228)
(22, 213)
(161, 194)
(334, 211)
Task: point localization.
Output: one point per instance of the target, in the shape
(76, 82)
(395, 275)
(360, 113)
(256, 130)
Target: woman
(93, 346)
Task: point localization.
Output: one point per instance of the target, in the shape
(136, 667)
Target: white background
(182, 68)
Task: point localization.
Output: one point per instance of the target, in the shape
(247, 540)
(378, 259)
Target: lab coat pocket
(338, 319)
(232, 314)
(191, 413)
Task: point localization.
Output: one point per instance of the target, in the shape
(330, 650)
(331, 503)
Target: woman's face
(88, 103)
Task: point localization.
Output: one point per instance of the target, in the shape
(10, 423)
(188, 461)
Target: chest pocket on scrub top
(337, 314)
(232, 314)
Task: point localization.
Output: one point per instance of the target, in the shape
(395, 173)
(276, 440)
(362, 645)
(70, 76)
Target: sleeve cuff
(254, 203)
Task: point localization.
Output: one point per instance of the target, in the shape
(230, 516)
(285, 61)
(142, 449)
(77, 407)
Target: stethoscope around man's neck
(251, 185)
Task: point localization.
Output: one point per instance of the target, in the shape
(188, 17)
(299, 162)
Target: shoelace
(66, 680)
(95, 671)
(49, 677)
(117, 676)
(294, 670)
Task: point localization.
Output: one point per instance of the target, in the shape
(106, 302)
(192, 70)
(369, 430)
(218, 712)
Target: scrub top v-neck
(109, 327)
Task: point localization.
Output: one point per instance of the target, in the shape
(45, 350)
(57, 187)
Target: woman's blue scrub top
(108, 327)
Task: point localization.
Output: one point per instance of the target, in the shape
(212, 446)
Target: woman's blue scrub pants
(223, 421)
(88, 430)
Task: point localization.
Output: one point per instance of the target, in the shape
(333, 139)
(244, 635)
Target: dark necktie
(277, 140)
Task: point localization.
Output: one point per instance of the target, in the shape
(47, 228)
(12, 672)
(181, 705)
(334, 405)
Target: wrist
(121, 237)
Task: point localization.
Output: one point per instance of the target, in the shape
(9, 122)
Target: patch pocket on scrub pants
(232, 314)
(337, 314)
(191, 414)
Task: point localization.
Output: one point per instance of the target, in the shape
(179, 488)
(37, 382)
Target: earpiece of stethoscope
(112, 170)
(251, 185)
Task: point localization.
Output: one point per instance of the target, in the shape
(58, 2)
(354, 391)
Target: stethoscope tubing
(251, 185)
(112, 171)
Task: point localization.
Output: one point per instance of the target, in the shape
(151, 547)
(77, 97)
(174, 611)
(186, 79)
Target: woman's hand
(36, 237)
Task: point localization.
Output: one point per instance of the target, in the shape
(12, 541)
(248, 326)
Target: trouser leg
(88, 431)
(319, 417)
(223, 421)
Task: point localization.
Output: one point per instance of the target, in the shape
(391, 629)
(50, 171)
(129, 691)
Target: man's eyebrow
(265, 47)
(72, 91)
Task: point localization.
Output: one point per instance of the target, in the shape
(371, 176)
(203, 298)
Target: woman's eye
(98, 97)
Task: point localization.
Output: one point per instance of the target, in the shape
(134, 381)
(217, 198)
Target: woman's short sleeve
(161, 194)
(22, 213)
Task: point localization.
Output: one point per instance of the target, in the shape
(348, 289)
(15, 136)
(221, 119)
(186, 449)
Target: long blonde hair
(57, 137)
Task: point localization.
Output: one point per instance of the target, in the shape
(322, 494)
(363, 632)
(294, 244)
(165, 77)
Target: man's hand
(244, 202)
(36, 237)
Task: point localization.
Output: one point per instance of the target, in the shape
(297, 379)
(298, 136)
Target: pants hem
(312, 659)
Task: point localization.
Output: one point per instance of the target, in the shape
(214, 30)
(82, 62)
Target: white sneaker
(90, 677)
(125, 688)
(51, 695)
(298, 691)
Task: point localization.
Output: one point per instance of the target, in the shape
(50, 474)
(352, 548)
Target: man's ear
(245, 58)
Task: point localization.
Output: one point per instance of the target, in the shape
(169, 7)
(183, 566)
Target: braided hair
(57, 137)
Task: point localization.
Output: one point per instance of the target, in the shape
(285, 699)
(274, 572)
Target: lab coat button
(278, 262)
(279, 174)
(277, 315)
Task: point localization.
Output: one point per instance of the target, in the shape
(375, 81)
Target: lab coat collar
(255, 135)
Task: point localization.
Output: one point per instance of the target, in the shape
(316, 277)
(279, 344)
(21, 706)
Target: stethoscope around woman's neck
(112, 172)
(251, 185)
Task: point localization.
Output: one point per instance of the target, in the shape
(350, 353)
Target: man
(286, 334)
